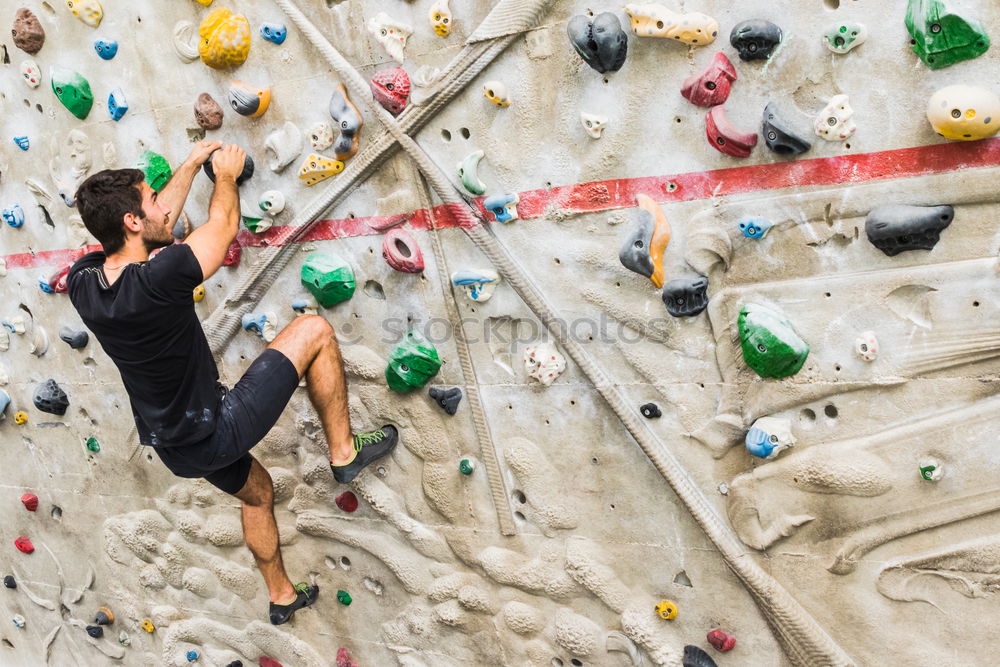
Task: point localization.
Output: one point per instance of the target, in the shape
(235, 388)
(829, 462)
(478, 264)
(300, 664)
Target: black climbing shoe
(369, 447)
(305, 595)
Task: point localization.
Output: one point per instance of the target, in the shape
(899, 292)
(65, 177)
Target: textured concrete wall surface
(871, 541)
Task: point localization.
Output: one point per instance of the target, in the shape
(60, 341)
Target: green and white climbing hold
(328, 278)
(72, 90)
(93, 445)
(770, 345)
(466, 466)
(344, 598)
(414, 361)
(942, 37)
(155, 168)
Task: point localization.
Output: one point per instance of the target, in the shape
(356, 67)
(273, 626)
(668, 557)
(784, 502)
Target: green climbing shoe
(368, 447)
(305, 595)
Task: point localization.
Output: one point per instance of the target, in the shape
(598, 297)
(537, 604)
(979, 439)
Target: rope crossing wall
(803, 639)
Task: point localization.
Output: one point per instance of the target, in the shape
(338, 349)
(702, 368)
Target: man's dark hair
(104, 199)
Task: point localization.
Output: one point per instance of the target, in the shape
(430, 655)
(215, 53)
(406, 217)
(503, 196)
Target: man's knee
(258, 491)
(314, 326)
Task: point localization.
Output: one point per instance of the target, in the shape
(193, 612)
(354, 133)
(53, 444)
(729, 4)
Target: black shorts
(245, 415)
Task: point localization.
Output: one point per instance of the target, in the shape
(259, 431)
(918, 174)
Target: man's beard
(153, 241)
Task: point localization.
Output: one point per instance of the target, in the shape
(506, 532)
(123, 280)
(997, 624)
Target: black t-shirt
(146, 323)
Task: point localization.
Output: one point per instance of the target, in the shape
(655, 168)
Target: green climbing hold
(93, 445)
(72, 90)
(329, 278)
(156, 169)
(770, 345)
(344, 598)
(412, 363)
(941, 37)
(466, 467)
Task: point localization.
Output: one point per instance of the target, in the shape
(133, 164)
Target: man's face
(156, 227)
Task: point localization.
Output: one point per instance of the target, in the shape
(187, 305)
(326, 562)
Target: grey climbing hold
(247, 173)
(755, 39)
(601, 42)
(8, 581)
(650, 411)
(779, 136)
(75, 339)
(95, 631)
(686, 297)
(49, 397)
(696, 657)
(448, 399)
(895, 228)
(349, 120)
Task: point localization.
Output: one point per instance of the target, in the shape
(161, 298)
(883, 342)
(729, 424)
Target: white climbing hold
(390, 33)
(544, 362)
(185, 41)
(284, 145)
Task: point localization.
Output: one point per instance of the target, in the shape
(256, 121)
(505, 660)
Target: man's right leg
(310, 345)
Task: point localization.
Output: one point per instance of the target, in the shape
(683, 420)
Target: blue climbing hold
(755, 227)
(274, 32)
(478, 284)
(4, 402)
(22, 142)
(769, 436)
(43, 284)
(504, 207)
(13, 215)
(191, 655)
(106, 49)
(117, 105)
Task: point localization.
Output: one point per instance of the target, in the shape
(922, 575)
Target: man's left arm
(175, 192)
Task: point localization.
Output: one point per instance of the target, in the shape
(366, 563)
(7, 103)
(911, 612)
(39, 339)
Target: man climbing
(141, 310)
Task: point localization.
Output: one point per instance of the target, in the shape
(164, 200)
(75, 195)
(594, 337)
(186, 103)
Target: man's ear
(132, 223)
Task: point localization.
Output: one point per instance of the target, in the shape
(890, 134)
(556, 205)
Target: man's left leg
(260, 531)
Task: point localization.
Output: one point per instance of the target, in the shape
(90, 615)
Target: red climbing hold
(721, 640)
(344, 660)
(233, 254)
(24, 544)
(710, 87)
(30, 501)
(401, 252)
(269, 662)
(347, 501)
(725, 137)
(57, 283)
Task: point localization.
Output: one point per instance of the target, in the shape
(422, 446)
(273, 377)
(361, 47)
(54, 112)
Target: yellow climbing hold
(667, 609)
(20, 418)
(224, 39)
(88, 11)
(199, 293)
(147, 625)
(317, 168)
(205, 2)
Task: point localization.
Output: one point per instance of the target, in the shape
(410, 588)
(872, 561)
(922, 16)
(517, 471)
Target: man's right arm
(210, 241)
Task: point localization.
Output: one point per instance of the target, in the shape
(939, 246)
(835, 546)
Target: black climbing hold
(49, 397)
(245, 176)
(104, 616)
(755, 39)
(95, 631)
(448, 399)
(696, 657)
(650, 411)
(686, 297)
(778, 135)
(601, 42)
(75, 339)
(895, 228)
(9, 582)
(235, 663)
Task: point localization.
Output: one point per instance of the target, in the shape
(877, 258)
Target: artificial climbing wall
(871, 540)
